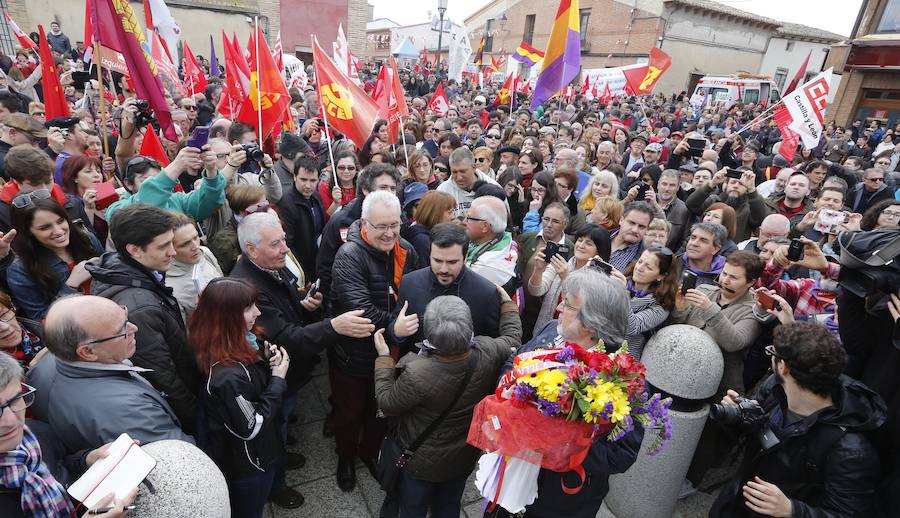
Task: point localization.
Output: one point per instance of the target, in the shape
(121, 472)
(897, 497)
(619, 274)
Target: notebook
(126, 466)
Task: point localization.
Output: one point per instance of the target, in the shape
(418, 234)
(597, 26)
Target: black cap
(509, 149)
(292, 145)
(62, 122)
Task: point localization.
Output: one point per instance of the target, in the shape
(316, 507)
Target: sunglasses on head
(23, 200)
(262, 206)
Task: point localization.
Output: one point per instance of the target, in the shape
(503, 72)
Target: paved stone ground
(317, 483)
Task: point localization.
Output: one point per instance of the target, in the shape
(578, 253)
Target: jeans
(418, 496)
(249, 495)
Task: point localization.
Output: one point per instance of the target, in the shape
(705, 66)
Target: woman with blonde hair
(602, 184)
(484, 157)
(606, 213)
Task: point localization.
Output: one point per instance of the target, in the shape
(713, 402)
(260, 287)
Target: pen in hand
(102, 510)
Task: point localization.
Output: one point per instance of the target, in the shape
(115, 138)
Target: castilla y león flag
(345, 105)
(268, 97)
(116, 27)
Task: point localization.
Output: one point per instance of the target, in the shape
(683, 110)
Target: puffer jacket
(825, 463)
(365, 278)
(334, 235)
(242, 403)
(161, 339)
(428, 383)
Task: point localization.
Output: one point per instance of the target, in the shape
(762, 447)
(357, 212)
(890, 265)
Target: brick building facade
(870, 63)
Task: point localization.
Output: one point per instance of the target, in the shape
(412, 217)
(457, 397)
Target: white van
(746, 88)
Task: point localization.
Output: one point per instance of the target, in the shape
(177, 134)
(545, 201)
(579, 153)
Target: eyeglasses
(770, 351)
(548, 221)
(492, 136)
(220, 156)
(883, 162)
(441, 169)
(25, 199)
(262, 206)
(538, 190)
(561, 185)
(478, 103)
(876, 179)
(470, 218)
(384, 227)
(7, 315)
(346, 168)
(20, 401)
(890, 214)
(481, 159)
(125, 332)
(190, 108)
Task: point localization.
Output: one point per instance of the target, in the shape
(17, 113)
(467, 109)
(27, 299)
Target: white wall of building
(778, 56)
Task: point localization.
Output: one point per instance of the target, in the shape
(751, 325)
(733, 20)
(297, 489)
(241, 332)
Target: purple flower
(566, 355)
(549, 408)
(525, 392)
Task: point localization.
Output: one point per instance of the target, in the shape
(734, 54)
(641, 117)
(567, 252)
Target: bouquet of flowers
(550, 408)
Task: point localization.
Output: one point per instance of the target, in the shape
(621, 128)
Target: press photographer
(809, 452)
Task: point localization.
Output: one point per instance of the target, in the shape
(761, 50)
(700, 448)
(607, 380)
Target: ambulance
(746, 88)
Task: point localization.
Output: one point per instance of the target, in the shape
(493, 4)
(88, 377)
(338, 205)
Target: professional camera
(253, 152)
(746, 414)
(144, 116)
(749, 416)
(869, 261)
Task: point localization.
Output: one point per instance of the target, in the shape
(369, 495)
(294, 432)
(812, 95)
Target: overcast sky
(831, 15)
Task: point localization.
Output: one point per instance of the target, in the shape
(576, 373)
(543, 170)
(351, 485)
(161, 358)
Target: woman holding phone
(242, 396)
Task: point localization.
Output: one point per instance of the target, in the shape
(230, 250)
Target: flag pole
(403, 138)
(759, 118)
(258, 89)
(325, 120)
(103, 117)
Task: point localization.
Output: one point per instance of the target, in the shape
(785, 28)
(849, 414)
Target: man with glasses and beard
(738, 193)
(870, 191)
(820, 460)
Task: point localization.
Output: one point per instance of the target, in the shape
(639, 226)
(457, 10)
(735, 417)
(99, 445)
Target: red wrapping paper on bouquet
(507, 428)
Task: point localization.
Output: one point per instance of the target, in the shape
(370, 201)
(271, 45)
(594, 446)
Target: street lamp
(442, 8)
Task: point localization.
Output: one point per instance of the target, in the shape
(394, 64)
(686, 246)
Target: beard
(734, 201)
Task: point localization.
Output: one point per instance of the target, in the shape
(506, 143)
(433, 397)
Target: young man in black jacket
(134, 276)
(818, 459)
(303, 214)
(447, 275)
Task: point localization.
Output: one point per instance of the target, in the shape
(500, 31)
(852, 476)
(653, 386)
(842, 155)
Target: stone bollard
(684, 362)
(186, 483)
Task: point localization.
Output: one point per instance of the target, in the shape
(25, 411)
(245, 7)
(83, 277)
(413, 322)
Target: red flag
(423, 57)
(586, 86)
(381, 94)
(439, 103)
(167, 69)
(789, 139)
(23, 38)
(194, 78)
(437, 59)
(152, 147)
(55, 104)
(594, 92)
(278, 54)
(268, 97)
(798, 77)
(399, 94)
(643, 79)
(232, 91)
(345, 105)
(504, 96)
(240, 59)
(606, 98)
(88, 28)
(115, 26)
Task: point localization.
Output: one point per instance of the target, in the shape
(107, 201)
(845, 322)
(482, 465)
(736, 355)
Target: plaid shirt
(801, 294)
(625, 256)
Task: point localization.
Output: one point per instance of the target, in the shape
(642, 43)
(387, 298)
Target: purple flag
(213, 62)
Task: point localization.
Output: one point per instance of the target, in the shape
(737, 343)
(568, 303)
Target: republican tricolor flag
(562, 59)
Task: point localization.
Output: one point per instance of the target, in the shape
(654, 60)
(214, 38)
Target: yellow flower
(604, 392)
(546, 382)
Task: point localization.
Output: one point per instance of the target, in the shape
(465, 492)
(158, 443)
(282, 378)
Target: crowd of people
(419, 267)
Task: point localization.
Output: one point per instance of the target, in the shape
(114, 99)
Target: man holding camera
(738, 190)
(811, 455)
(75, 142)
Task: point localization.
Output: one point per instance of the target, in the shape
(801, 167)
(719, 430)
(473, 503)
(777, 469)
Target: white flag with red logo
(807, 105)
(23, 38)
(439, 103)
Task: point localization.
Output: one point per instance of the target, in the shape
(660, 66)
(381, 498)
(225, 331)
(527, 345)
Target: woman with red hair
(80, 175)
(243, 395)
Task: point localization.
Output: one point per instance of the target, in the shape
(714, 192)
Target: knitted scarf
(22, 469)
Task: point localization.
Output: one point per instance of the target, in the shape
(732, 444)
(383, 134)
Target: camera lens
(727, 414)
